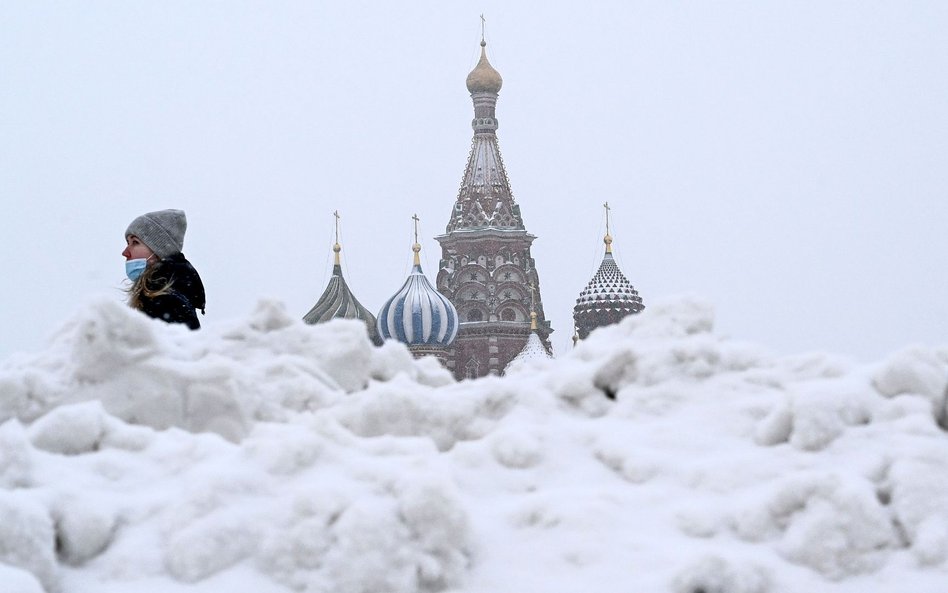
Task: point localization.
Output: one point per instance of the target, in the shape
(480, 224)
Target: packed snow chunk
(27, 538)
(16, 456)
(369, 554)
(283, 449)
(70, 429)
(810, 418)
(833, 524)
(821, 415)
(439, 526)
(269, 316)
(393, 358)
(343, 350)
(212, 543)
(16, 580)
(26, 393)
(631, 463)
(777, 426)
(516, 449)
(918, 371)
(84, 528)
(107, 337)
(402, 407)
(293, 551)
(713, 574)
(919, 493)
(672, 318)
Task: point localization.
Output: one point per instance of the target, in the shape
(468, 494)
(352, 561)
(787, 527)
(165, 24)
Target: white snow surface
(273, 456)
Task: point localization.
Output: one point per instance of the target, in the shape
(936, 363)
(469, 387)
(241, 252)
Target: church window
(471, 368)
(508, 315)
(475, 315)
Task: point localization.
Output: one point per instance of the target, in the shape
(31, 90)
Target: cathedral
(484, 312)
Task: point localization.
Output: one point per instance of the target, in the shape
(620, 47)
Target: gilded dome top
(483, 78)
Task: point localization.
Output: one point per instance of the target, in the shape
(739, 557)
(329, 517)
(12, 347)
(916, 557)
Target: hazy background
(788, 161)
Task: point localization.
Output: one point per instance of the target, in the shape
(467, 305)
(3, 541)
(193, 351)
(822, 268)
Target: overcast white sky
(787, 161)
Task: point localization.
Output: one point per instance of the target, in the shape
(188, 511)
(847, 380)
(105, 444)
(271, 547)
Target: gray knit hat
(162, 231)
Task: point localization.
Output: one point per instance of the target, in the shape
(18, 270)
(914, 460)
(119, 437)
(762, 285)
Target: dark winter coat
(185, 296)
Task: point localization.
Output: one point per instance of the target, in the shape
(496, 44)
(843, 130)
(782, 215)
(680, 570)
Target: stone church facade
(486, 268)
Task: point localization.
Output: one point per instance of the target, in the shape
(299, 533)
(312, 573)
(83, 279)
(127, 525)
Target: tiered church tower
(486, 266)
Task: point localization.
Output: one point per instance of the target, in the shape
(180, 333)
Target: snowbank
(275, 456)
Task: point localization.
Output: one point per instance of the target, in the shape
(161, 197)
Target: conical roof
(532, 350)
(609, 288)
(338, 302)
(418, 314)
(485, 200)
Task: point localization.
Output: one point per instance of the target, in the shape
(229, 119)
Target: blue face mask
(135, 267)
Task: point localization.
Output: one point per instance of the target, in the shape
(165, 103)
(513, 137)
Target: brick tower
(486, 268)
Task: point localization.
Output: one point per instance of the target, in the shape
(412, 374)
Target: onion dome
(533, 350)
(608, 298)
(483, 78)
(418, 315)
(338, 302)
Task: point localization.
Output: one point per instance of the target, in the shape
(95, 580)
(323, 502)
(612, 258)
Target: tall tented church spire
(609, 297)
(485, 199)
(337, 301)
(486, 265)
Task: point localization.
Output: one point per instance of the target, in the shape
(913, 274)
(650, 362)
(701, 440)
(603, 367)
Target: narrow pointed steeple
(609, 297)
(337, 301)
(485, 199)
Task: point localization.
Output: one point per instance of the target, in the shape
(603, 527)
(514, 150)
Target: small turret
(338, 302)
(418, 315)
(609, 297)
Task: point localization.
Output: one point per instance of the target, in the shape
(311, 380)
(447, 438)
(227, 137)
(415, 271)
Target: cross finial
(336, 247)
(417, 246)
(608, 238)
(533, 311)
(483, 26)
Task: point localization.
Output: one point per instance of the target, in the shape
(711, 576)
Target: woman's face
(136, 249)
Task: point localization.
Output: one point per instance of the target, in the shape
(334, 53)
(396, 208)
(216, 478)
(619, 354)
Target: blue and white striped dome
(418, 314)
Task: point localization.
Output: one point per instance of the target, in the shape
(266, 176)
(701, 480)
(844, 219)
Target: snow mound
(273, 455)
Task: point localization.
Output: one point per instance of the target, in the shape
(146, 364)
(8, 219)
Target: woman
(164, 283)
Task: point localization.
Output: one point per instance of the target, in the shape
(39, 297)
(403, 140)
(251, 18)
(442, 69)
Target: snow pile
(275, 456)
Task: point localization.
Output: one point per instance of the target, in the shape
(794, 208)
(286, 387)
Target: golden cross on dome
(336, 247)
(483, 25)
(417, 246)
(608, 238)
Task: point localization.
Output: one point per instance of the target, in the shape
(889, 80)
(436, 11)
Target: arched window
(508, 315)
(475, 315)
(471, 369)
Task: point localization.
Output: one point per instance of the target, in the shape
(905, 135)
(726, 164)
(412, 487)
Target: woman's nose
(126, 253)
